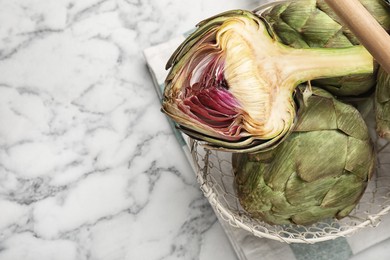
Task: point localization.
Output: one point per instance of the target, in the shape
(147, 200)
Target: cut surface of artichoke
(320, 170)
(231, 83)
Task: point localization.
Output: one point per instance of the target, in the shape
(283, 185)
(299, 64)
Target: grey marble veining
(89, 168)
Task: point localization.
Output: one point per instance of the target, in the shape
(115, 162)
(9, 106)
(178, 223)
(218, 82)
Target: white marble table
(89, 168)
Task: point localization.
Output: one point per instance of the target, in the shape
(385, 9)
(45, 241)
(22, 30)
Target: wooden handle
(369, 32)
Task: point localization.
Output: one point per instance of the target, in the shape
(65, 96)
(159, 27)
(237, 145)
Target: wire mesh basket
(216, 179)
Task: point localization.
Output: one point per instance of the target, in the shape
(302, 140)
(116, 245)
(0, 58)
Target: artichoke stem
(306, 64)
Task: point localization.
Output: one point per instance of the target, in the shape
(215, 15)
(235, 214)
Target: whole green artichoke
(321, 170)
(311, 23)
(382, 104)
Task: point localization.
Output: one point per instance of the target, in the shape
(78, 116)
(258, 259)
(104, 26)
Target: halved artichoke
(321, 170)
(231, 83)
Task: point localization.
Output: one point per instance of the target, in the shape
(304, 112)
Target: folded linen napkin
(246, 245)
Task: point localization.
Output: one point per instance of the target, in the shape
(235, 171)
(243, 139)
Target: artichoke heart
(231, 83)
(319, 171)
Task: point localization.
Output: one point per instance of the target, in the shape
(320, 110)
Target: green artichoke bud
(382, 104)
(320, 171)
(231, 84)
(311, 23)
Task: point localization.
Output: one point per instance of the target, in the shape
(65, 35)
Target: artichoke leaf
(382, 104)
(346, 191)
(299, 190)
